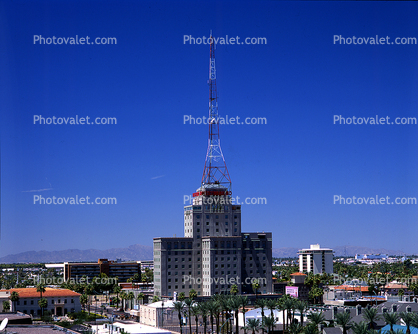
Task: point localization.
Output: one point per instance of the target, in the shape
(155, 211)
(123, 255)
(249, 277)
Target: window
(24, 303)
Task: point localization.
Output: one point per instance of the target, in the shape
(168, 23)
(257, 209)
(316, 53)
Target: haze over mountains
(141, 252)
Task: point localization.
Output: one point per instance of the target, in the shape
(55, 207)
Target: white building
(316, 260)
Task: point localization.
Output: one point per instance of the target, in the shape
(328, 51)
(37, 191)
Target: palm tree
(269, 322)
(360, 328)
(316, 319)
(256, 286)
(212, 307)
(189, 303)
(43, 303)
(41, 289)
(370, 315)
(181, 296)
(195, 310)
(408, 318)
(179, 307)
(84, 300)
(204, 311)
(117, 290)
(234, 289)
(302, 307)
(295, 328)
(343, 320)
(140, 296)
(261, 303)
(235, 303)
(244, 302)
(391, 318)
(252, 325)
(280, 307)
(271, 304)
(130, 296)
(311, 329)
(288, 305)
(123, 297)
(14, 297)
(192, 294)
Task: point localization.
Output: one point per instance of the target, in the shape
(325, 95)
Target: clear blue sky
(149, 80)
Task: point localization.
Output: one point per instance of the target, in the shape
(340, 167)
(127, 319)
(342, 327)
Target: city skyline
(151, 81)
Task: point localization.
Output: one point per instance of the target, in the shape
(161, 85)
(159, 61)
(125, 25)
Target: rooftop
(49, 292)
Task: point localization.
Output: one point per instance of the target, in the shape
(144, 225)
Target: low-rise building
(60, 301)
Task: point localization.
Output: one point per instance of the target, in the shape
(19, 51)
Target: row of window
(32, 302)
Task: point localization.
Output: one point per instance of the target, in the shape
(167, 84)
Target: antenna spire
(215, 174)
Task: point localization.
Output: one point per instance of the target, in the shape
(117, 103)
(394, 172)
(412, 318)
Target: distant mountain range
(141, 252)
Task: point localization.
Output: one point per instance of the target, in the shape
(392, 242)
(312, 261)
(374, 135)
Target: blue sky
(150, 160)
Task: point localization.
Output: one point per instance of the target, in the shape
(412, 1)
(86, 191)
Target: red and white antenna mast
(215, 174)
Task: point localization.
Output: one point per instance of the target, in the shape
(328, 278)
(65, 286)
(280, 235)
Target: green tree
(155, 299)
(302, 307)
(192, 294)
(269, 323)
(181, 296)
(179, 307)
(234, 289)
(408, 318)
(235, 304)
(43, 303)
(195, 312)
(6, 305)
(360, 328)
(371, 316)
(244, 303)
(391, 318)
(41, 289)
(117, 289)
(315, 293)
(84, 300)
(295, 328)
(261, 303)
(256, 286)
(213, 307)
(343, 320)
(123, 296)
(189, 303)
(204, 311)
(147, 275)
(253, 325)
(316, 319)
(130, 296)
(14, 297)
(140, 297)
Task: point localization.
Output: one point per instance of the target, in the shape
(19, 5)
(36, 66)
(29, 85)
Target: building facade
(214, 254)
(316, 260)
(122, 270)
(60, 301)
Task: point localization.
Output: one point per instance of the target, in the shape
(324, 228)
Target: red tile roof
(352, 288)
(298, 274)
(49, 292)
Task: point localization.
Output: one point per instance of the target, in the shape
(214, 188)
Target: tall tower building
(214, 254)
